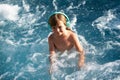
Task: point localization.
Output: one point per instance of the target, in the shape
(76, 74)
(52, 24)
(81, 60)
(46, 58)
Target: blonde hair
(54, 20)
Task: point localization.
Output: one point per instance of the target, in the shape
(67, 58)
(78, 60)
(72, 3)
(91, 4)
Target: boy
(63, 38)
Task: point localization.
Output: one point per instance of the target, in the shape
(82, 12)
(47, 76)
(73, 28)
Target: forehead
(60, 23)
(54, 19)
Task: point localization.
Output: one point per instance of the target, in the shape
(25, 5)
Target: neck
(61, 36)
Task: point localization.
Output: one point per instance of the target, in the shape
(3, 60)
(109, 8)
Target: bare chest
(63, 44)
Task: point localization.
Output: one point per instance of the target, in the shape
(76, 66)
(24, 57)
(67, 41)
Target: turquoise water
(24, 32)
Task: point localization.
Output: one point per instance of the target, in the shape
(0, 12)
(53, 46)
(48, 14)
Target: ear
(68, 24)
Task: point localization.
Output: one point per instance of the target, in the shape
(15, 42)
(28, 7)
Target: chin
(59, 34)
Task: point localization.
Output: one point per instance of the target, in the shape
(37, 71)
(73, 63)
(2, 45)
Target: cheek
(53, 30)
(64, 28)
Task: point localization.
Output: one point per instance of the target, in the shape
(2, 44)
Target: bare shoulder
(73, 34)
(50, 37)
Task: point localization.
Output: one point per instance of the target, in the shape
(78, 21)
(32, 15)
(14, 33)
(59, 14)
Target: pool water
(24, 53)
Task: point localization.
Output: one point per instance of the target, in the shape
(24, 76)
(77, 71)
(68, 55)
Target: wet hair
(55, 18)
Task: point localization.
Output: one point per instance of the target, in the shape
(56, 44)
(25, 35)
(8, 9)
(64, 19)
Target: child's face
(59, 29)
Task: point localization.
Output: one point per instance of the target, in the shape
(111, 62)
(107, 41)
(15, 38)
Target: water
(24, 32)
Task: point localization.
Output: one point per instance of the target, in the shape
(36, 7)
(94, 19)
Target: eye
(59, 27)
(53, 27)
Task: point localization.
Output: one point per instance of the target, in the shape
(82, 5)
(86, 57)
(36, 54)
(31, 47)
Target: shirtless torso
(63, 43)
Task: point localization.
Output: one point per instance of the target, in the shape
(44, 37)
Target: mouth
(59, 33)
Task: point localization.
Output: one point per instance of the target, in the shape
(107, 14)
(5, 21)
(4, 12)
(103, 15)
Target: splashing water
(24, 53)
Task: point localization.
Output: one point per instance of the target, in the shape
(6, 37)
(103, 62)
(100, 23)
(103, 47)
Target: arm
(80, 50)
(52, 53)
(51, 49)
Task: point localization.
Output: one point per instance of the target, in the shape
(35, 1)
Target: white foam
(117, 78)
(70, 7)
(10, 42)
(19, 75)
(107, 21)
(111, 66)
(26, 20)
(89, 48)
(54, 4)
(2, 23)
(76, 7)
(8, 59)
(116, 43)
(9, 12)
(93, 69)
(30, 32)
(108, 45)
(26, 7)
(118, 26)
(3, 75)
(30, 68)
(102, 21)
(73, 23)
(34, 57)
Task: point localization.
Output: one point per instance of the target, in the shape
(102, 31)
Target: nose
(57, 29)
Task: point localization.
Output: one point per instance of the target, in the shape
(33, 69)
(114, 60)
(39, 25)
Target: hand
(50, 70)
(81, 60)
(80, 64)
